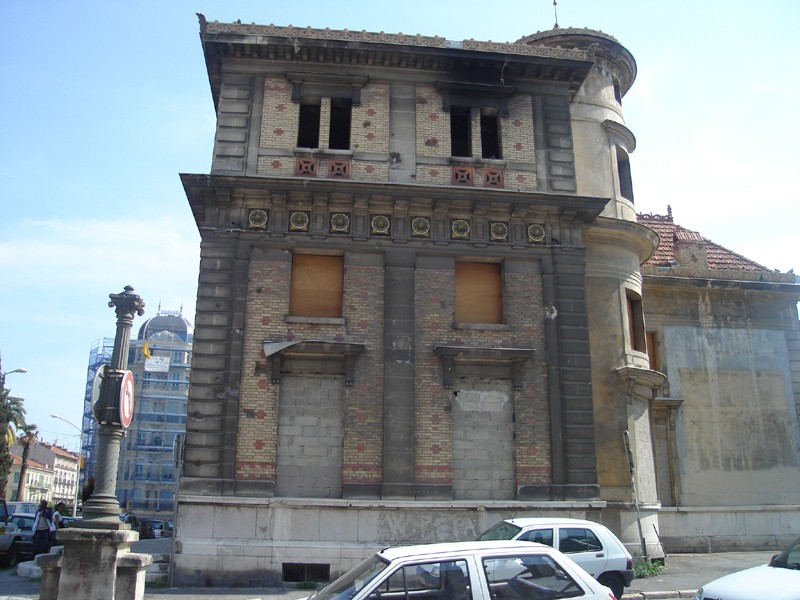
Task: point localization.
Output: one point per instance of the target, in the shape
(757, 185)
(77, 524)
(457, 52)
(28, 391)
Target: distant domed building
(166, 321)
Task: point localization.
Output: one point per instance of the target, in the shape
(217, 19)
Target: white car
(589, 544)
(466, 571)
(779, 580)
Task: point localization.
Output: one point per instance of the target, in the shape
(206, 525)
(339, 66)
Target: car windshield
(789, 558)
(352, 582)
(502, 531)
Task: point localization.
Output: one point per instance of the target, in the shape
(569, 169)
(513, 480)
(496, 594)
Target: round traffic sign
(126, 399)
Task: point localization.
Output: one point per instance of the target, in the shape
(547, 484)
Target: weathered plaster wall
(737, 428)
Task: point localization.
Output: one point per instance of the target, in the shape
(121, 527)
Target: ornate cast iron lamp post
(102, 509)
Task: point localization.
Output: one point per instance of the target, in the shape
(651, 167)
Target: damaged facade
(421, 305)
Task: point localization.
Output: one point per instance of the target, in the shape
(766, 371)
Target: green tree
(12, 417)
(28, 437)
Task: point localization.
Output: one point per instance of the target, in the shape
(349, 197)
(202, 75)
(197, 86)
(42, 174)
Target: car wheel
(12, 557)
(613, 582)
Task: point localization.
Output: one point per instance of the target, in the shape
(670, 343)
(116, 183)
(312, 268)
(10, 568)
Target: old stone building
(421, 305)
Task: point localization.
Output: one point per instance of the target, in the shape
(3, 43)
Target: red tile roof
(719, 257)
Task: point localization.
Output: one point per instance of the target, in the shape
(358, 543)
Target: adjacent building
(426, 302)
(51, 474)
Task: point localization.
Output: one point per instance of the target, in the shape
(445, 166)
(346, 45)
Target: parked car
(593, 546)
(22, 507)
(159, 528)
(10, 537)
(132, 520)
(499, 570)
(778, 580)
(24, 545)
(69, 521)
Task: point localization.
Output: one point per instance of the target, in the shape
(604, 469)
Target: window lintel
(318, 349)
(329, 85)
(476, 355)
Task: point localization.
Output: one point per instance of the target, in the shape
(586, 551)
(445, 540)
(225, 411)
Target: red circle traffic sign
(126, 399)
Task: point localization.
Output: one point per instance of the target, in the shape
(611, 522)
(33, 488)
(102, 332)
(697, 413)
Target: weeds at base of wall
(643, 568)
(306, 585)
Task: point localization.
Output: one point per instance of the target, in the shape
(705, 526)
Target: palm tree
(27, 438)
(12, 417)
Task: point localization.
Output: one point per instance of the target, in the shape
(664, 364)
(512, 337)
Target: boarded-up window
(479, 296)
(652, 351)
(317, 285)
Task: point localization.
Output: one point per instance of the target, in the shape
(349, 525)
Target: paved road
(683, 573)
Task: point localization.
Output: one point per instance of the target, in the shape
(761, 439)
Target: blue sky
(105, 103)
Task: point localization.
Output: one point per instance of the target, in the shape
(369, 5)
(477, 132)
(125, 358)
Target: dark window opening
(308, 125)
(636, 330)
(341, 111)
(460, 131)
(624, 172)
(617, 92)
(490, 135)
(299, 572)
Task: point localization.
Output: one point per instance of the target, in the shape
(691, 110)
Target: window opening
(617, 92)
(460, 131)
(635, 321)
(300, 572)
(479, 296)
(490, 134)
(308, 125)
(652, 355)
(341, 113)
(624, 173)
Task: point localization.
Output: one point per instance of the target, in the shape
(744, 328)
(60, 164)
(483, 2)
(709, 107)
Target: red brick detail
(305, 167)
(339, 169)
(434, 117)
(262, 384)
(276, 164)
(371, 112)
(462, 175)
(369, 168)
(278, 132)
(258, 444)
(493, 178)
(280, 107)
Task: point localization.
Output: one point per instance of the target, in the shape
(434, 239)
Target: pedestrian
(57, 523)
(41, 529)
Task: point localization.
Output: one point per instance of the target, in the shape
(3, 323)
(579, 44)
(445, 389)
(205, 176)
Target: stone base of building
(226, 541)
(728, 528)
